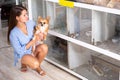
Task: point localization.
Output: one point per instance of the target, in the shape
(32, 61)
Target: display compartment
(82, 25)
(58, 17)
(85, 62)
(99, 69)
(58, 50)
(92, 65)
(73, 22)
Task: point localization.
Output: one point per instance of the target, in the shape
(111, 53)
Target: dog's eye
(44, 23)
(40, 22)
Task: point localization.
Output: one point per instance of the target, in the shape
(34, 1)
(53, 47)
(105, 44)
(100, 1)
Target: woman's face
(23, 17)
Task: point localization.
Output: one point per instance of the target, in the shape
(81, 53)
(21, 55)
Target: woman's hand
(38, 37)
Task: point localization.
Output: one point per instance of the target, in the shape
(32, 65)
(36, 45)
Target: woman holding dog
(20, 36)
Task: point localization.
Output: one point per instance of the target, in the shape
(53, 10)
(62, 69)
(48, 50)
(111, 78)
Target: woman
(20, 36)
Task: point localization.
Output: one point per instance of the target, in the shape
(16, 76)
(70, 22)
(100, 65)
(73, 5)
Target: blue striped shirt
(19, 40)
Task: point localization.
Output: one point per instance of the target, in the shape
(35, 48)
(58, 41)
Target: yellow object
(66, 3)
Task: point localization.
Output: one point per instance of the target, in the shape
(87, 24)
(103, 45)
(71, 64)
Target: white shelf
(89, 46)
(93, 7)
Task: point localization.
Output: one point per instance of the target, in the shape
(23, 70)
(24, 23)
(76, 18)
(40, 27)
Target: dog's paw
(34, 38)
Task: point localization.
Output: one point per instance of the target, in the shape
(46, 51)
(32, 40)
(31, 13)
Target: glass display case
(83, 40)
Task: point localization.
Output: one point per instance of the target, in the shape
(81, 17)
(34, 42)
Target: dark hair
(15, 11)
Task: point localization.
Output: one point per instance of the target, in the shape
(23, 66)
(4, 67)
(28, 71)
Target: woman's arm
(30, 24)
(31, 43)
(16, 44)
(37, 37)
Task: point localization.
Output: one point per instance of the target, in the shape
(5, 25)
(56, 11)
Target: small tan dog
(41, 27)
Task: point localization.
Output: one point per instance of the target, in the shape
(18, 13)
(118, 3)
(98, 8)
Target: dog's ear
(48, 18)
(39, 18)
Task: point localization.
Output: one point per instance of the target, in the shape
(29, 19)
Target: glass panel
(57, 50)
(60, 20)
(58, 17)
(84, 22)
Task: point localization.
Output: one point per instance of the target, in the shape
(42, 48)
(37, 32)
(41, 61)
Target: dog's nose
(41, 24)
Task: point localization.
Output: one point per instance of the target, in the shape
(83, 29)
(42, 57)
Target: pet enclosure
(82, 40)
